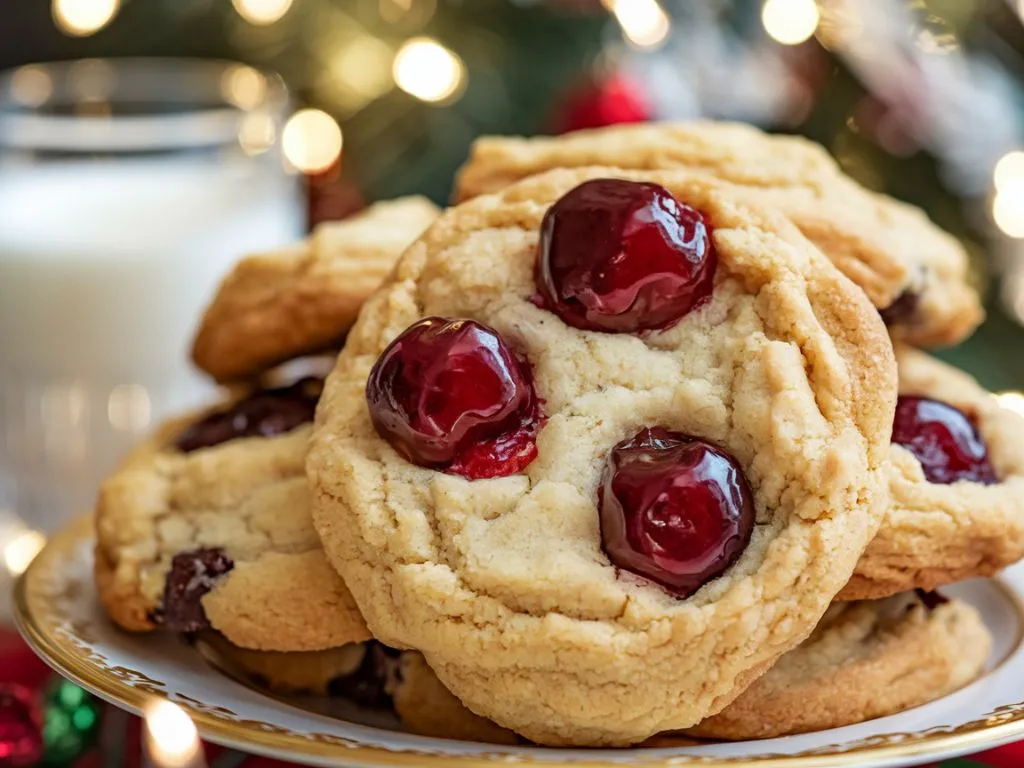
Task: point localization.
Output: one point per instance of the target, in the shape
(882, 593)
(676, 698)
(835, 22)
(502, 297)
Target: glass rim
(208, 99)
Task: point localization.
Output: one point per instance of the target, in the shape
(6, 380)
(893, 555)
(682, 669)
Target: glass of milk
(127, 190)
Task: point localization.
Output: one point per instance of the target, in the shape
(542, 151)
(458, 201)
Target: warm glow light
(257, 133)
(21, 550)
(790, 22)
(243, 86)
(427, 70)
(644, 22)
(1008, 208)
(172, 737)
(1011, 401)
(31, 86)
(364, 67)
(261, 12)
(80, 18)
(1009, 170)
(311, 140)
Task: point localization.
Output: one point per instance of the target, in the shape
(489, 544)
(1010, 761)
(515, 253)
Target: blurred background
(127, 188)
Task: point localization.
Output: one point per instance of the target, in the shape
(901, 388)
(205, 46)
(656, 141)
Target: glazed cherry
(674, 509)
(623, 256)
(943, 439)
(451, 395)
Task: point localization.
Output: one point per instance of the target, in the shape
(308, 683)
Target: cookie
(915, 273)
(474, 478)
(276, 306)
(956, 482)
(864, 660)
(207, 525)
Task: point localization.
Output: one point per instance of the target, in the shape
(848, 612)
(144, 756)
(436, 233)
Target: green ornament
(71, 717)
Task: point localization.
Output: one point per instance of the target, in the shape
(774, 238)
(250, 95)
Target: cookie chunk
(915, 273)
(478, 475)
(301, 299)
(864, 660)
(956, 482)
(207, 525)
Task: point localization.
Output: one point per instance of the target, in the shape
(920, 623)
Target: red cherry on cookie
(674, 509)
(943, 439)
(623, 256)
(451, 395)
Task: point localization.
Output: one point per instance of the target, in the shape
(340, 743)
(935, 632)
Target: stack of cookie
(631, 440)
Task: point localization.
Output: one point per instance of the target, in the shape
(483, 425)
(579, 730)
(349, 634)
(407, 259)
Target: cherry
(192, 575)
(264, 413)
(674, 509)
(623, 256)
(943, 439)
(450, 394)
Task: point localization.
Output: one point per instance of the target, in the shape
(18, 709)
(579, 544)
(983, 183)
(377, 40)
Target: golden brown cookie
(915, 273)
(864, 660)
(505, 584)
(940, 532)
(301, 299)
(220, 536)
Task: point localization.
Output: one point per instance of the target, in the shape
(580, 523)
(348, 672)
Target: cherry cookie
(301, 299)
(207, 525)
(602, 449)
(956, 482)
(915, 273)
(864, 660)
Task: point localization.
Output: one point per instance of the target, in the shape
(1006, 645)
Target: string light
(81, 18)
(171, 737)
(427, 70)
(243, 86)
(21, 551)
(262, 12)
(790, 22)
(1008, 209)
(311, 140)
(31, 86)
(363, 68)
(644, 22)
(257, 133)
(1009, 170)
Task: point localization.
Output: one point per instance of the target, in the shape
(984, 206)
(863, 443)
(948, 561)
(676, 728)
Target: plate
(58, 613)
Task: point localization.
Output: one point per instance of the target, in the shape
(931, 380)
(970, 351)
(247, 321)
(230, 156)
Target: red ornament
(21, 728)
(613, 100)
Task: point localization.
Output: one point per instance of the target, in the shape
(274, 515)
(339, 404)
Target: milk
(105, 268)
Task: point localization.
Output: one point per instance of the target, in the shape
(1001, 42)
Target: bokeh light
(644, 22)
(1008, 209)
(80, 18)
(243, 86)
(790, 22)
(31, 86)
(262, 12)
(257, 133)
(311, 140)
(172, 736)
(21, 550)
(363, 68)
(427, 70)
(1009, 170)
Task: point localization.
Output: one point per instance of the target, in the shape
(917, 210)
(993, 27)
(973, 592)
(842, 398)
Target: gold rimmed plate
(59, 615)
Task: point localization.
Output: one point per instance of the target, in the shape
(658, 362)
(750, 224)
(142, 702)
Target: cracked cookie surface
(503, 584)
(936, 534)
(915, 273)
(247, 497)
(276, 306)
(864, 660)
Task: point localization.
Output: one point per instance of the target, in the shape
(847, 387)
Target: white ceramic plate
(59, 616)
